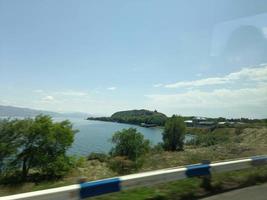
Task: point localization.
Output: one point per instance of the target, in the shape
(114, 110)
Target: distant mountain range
(12, 111)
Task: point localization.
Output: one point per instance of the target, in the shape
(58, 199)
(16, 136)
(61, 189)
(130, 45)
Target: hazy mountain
(12, 111)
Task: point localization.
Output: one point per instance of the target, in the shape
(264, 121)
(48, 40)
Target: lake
(94, 136)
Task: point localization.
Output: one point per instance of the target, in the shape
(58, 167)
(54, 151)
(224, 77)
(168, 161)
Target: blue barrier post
(206, 179)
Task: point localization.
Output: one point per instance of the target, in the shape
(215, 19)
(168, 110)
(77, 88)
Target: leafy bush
(173, 135)
(58, 167)
(209, 139)
(129, 143)
(123, 165)
(158, 148)
(130, 147)
(78, 161)
(102, 157)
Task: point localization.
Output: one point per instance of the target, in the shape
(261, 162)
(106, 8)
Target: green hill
(137, 117)
(140, 116)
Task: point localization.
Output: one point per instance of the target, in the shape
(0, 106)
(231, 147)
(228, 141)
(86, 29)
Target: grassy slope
(248, 142)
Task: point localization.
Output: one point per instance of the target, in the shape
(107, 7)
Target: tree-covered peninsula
(139, 117)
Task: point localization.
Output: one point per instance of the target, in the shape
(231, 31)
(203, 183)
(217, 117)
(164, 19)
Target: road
(258, 192)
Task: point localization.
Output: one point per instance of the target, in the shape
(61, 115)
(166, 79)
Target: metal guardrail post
(206, 179)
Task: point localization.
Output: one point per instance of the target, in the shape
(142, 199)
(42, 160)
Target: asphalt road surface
(258, 192)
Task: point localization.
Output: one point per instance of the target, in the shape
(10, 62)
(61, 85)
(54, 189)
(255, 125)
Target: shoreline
(113, 121)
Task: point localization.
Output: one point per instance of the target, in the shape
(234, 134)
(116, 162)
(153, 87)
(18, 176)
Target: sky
(201, 58)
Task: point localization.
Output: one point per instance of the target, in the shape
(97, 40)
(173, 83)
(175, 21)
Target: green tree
(129, 143)
(43, 145)
(173, 135)
(128, 152)
(8, 142)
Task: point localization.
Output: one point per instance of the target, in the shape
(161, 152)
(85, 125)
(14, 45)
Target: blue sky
(201, 58)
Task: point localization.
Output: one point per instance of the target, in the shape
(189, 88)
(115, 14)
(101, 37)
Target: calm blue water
(95, 135)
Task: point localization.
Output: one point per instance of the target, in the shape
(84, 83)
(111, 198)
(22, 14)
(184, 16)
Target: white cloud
(197, 83)
(254, 74)
(48, 98)
(62, 93)
(38, 91)
(246, 74)
(72, 93)
(158, 85)
(111, 88)
(224, 102)
(218, 97)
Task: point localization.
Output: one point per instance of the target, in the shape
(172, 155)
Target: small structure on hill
(189, 123)
(200, 122)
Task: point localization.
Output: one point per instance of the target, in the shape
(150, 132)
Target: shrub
(209, 139)
(173, 135)
(102, 157)
(129, 150)
(123, 165)
(58, 168)
(129, 143)
(158, 148)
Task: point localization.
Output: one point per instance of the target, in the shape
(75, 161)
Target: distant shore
(109, 119)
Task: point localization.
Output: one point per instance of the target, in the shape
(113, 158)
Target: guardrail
(105, 186)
